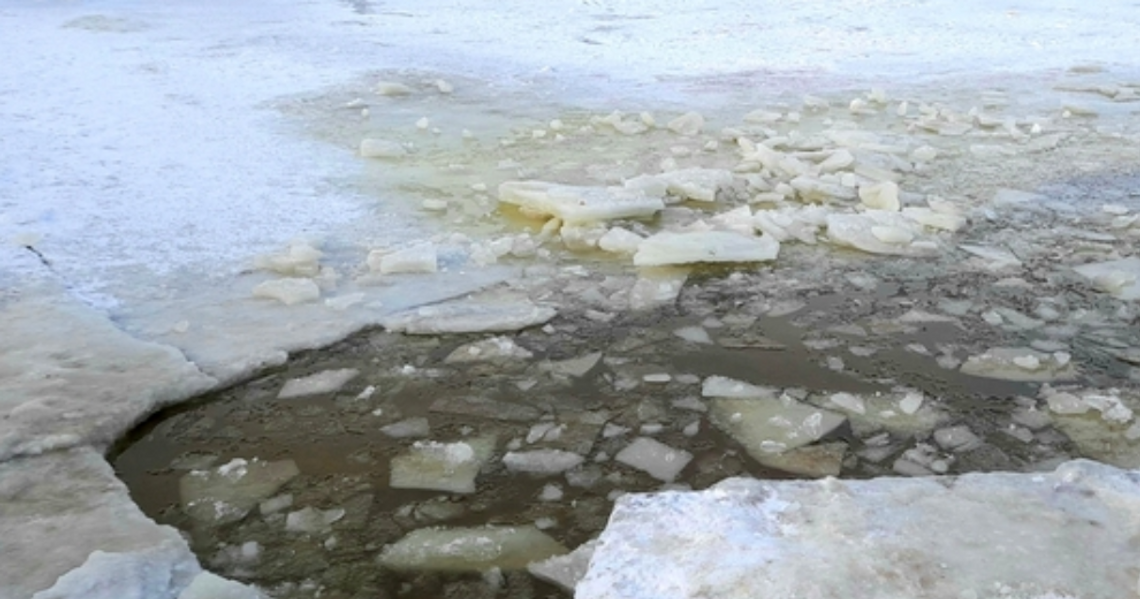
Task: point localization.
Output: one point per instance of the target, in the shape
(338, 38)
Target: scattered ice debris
(432, 465)
(289, 290)
(565, 570)
(704, 246)
(227, 493)
(1020, 364)
(300, 260)
(541, 462)
(310, 520)
(419, 258)
(495, 350)
(576, 205)
(382, 149)
(474, 549)
(1118, 278)
(327, 381)
(654, 458)
(469, 317)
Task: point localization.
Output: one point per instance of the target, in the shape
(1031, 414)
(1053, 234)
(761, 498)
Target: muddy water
(343, 457)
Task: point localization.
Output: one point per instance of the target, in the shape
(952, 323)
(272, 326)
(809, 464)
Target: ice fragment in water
(720, 386)
(288, 291)
(1119, 278)
(438, 466)
(470, 549)
(565, 570)
(654, 458)
(694, 334)
(769, 425)
(704, 246)
(495, 349)
(620, 240)
(327, 381)
(207, 585)
(858, 231)
(311, 520)
(541, 462)
(881, 196)
(407, 428)
(227, 493)
(392, 88)
(849, 402)
(1017, 364)
(697, 184)
(300, 260)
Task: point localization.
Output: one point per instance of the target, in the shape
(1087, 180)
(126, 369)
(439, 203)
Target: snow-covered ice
(976, 535)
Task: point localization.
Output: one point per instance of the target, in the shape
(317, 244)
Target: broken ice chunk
(300, 260)
(207, 585)
(812, 460)
(996, 258)
(565, 570)
(767, 426)
(227, 493)
(688, 124)
(408, 428)
(420, 258)
(1018, 364)
(381, 148)
(474, 549)
(578, 204)
(1118, 278)
(468, 317)
(697, 184)
(495, 349)
(704, 246)
(392, 88)
(859, 231)
(327, 381)
(450, 467)
(654, 458)
(881, 196)
(311, 520)
(288, 291)
(694, 334)
(650, 291)
(721, 386)
(619, 240)
(541, 462)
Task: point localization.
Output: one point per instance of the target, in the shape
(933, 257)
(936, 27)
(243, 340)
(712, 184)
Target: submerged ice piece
(704, 246)
(450, 467)
(227, 493)
(768, 426)
(575, 205)
(470, 549)
(1020, 364)
(977, 535)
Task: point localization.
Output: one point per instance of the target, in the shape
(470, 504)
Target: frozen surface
(65, 513)
(977, 535)
(68, 377)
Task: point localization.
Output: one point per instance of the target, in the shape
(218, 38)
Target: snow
(155, 154)
(951, 537)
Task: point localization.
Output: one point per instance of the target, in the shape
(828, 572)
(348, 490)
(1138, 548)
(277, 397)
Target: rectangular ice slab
(578, 204)
(1065, 534)
(470, 549)
(704, 246)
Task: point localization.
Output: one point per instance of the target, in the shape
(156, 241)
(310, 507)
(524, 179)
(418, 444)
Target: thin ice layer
(1031, 536)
